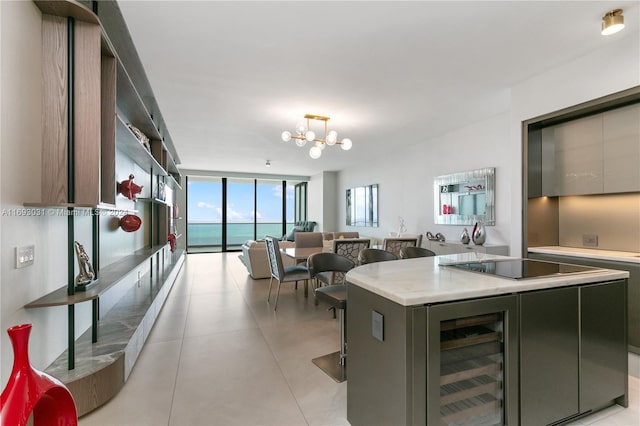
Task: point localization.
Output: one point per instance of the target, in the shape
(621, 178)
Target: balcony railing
(209, 234)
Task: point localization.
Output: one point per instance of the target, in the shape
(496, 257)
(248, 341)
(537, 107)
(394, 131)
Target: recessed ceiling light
(612, 22)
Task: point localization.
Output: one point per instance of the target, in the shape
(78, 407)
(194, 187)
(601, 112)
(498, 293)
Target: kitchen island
(433, 344)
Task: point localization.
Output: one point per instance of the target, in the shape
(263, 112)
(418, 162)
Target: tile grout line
(175, 381)
(273, 355)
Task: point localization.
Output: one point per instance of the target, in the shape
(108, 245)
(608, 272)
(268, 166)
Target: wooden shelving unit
(86, 111)
(471, 365)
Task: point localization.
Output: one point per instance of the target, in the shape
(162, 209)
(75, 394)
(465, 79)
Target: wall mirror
(362, 206)
(465, 198)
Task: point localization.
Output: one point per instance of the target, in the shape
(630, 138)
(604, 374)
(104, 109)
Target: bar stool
(334, 364)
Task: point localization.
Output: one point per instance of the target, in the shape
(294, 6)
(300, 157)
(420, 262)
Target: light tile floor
(219, 355)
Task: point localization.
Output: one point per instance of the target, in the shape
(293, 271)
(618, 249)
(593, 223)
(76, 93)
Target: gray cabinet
(603, 341)
(633, 300)
(572, 351)
(572, 157)
(548, 356)
(592, 155)
(621, 150)
(441, 248)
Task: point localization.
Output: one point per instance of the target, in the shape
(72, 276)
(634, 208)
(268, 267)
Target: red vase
(31, 391)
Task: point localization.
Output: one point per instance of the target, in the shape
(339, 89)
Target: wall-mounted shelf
(102, 207)
(132, 108)
(154, 201)
(108, 277)
(132, 147)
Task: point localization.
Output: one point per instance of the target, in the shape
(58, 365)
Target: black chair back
(328, 262)
(413, 252)
(371, 255)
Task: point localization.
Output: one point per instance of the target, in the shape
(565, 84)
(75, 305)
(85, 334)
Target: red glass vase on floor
(31, 391)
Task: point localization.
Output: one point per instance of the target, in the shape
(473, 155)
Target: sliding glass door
(223, 213)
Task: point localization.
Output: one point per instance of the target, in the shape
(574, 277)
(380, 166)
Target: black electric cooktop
(518, 269)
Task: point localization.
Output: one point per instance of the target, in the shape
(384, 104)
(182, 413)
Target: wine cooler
(471, 344)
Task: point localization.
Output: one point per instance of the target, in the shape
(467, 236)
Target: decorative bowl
(130, 223)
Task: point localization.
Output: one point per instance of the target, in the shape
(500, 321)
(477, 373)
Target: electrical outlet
(589, 240)
(25, 256)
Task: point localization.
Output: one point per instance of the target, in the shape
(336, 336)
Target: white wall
(321, 203)
(406, 178)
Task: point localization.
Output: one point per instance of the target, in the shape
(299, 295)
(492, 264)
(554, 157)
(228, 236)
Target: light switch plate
(377, 325)
(589, 240)
(25, 256)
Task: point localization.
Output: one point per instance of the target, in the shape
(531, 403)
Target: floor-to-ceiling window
(223, 213)
(269, 208)
(240, 212)
(204, 213)
(299, 200)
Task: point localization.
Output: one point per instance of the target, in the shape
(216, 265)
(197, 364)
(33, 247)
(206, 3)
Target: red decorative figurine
(129, 189)
(172, 242)
(31, 391)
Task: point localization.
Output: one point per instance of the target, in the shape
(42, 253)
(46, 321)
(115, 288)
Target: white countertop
(419, 281)
(618, 256)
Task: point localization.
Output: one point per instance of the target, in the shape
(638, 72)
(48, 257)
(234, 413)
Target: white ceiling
(229, 77)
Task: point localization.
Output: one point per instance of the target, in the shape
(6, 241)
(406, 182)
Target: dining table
(301, 253)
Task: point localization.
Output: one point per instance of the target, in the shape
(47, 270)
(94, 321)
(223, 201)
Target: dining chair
(413, 252)
(393, 245)
(278, 271)
(349, 248)
(308, 239)
(371, 255)
(334, 364)
(409, 235)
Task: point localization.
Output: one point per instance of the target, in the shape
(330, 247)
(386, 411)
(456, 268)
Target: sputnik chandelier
(304, 134)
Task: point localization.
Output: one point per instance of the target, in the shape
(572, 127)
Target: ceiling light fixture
(304, 135)
(612, 22)
(268, 163)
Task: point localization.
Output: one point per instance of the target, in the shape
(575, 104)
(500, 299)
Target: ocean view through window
(223, 213)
